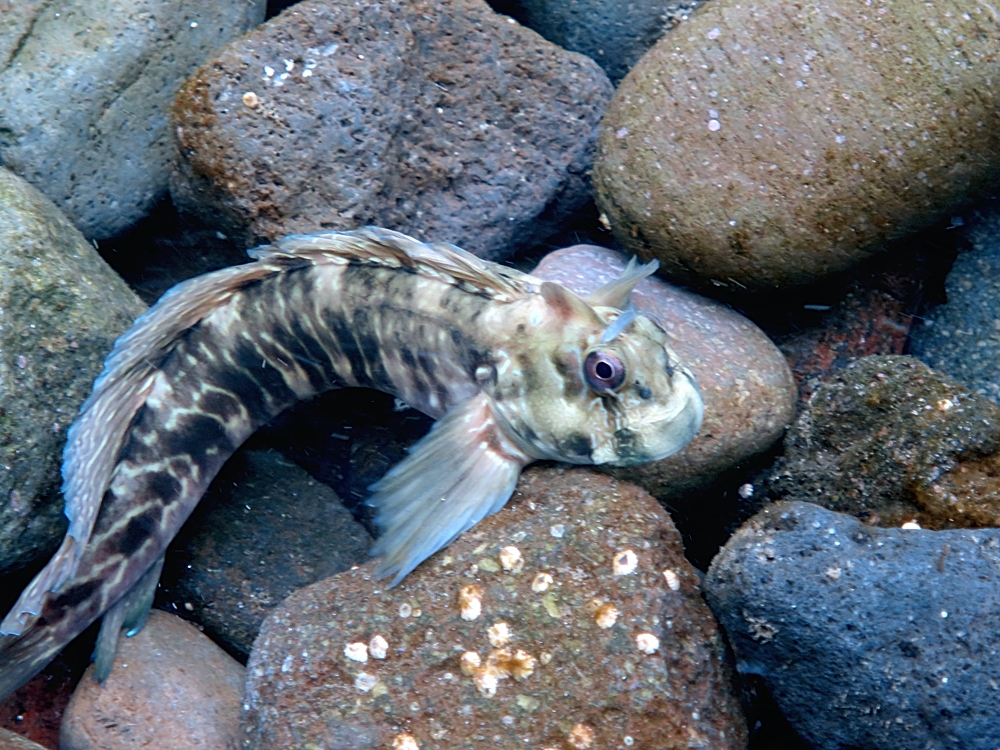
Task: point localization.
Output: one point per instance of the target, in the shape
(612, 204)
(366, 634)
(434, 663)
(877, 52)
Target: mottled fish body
(515, 369)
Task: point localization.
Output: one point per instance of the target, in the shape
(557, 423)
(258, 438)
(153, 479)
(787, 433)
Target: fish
(514, 369)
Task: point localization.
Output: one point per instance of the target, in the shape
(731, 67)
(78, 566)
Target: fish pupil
(604, 371)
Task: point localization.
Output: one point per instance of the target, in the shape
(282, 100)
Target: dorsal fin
(398, 250)
(617, 293)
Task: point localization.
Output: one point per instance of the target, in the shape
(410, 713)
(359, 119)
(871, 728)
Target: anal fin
(130, 614)
(463, 470)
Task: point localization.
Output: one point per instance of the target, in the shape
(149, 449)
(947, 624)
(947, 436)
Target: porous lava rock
(87, 89)
(866, 637)
(264, 529)
(892, 441)
(170, 688)
(748, 389)
(443, 120)
(61, 309)
(570, 619)
(768, 144)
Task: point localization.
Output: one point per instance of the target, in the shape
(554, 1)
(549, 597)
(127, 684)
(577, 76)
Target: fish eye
(604, 371)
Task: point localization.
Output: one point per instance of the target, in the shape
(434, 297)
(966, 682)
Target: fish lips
(671, 433)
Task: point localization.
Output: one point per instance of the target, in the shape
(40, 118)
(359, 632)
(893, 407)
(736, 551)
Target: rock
(440, 119)
(570, 654)
(265, 529)
(35, 710)
(748, 389)
(86, 90)
(11, 741)
(892, 441)
(61, 309)
(962, 338)
(874, 638)
(765, 146)
(170, 688)
(614, 34)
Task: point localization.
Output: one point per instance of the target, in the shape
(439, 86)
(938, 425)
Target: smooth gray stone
(86, 87)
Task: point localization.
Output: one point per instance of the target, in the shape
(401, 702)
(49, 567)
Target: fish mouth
(671, 433)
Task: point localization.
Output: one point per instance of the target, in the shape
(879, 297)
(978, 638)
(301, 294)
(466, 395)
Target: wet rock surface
(441, 120)
(170, 688)
(265, 529)
(87, 90)
(867, 637)
(892, 441)
(570, 619)
(61, 309)
(769, 145)
(962, 338)
(613, 34)
(749, 391)
(11, 741)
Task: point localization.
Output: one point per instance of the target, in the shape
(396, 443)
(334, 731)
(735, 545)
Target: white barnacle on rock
(365, 682)
(647, 643)
(405, 741)
(470, 663)
(486, 680)
(511, 559)
(606, 615)
(673, 580)
(356, 652)
(522, 665)
(625, 563)
(499, 634)
(581, 736)
(378, 647)
(470, 602)
(541, 582)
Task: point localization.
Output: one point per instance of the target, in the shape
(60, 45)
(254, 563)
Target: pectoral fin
(464, 470)
(130, 614)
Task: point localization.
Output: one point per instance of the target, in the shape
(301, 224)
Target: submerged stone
(569, 619)
(767, 144)
(892, 441)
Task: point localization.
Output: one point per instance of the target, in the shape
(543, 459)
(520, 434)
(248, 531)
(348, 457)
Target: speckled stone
(264, 529)
(748, 388)
(579, 679)
(866, 637)
(892, 441)
(962, 337)
(11, 741)
(86, 89)
(768, 144)
(613, 33)
(170, 688)
(61, 309)
(441, 119)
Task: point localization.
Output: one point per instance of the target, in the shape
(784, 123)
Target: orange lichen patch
(624, 563)
(541, 582)
(581, 736)
(606, 615)
(499, 634)
(511, 559)
(470, 602)
(405, 741)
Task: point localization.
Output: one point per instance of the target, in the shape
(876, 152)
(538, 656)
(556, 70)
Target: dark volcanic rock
(962, 338)
(569, 619)
(614, 33)
(264, 530)
(440, 119)
(171, 688)
(867, 638)
(748, 389)
(61, 309)
(87, 88)
(893, 441)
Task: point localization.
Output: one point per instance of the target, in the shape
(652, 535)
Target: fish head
(596, 385)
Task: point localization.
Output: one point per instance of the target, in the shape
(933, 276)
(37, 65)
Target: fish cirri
(515, 369)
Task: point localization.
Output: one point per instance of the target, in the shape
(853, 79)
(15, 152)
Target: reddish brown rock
(569, 619)
(440, 119)
(11, 741)
(748, 389)
(170, 688)
(35, 710)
